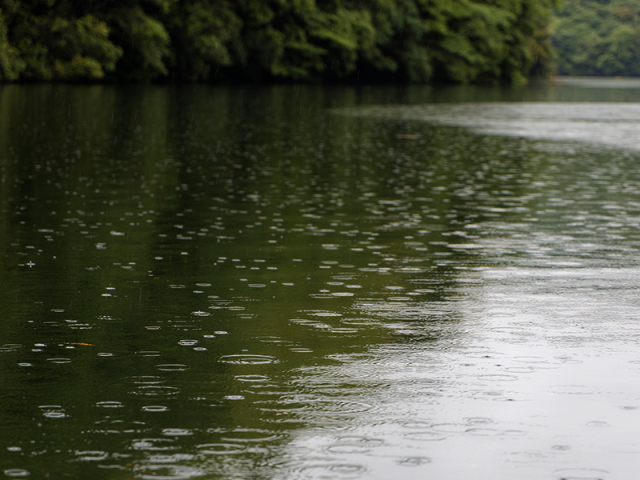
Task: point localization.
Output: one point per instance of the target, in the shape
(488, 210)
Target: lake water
(305, 282)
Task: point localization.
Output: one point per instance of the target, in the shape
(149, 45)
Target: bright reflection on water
(599, 123)
(310, 283)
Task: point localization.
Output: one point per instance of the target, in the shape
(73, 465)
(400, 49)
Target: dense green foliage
(598, 37)
(196, 40)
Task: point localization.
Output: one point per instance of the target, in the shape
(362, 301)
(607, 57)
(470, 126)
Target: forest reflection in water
(318, 282)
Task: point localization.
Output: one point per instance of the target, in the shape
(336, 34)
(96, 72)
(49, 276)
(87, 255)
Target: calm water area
(320, 282)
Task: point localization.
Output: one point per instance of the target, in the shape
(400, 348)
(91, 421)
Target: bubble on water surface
(200, 314)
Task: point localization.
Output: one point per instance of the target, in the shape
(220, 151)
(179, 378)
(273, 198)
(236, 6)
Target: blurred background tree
(276, 40)
(597, 37)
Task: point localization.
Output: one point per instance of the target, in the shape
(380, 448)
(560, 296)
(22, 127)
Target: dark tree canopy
(274, 40)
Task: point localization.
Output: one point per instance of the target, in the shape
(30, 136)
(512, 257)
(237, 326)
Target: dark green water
(318, 282)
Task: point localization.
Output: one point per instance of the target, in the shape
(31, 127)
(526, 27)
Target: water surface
(319, 282)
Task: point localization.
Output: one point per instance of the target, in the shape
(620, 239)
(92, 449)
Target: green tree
(593, 37)
(281, 40)
(38, 41)
(202, 32)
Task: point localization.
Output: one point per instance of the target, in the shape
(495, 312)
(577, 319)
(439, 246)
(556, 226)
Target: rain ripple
(241, 359)
(166, 472)
(156, 391)
(221, 449)
(17, 472)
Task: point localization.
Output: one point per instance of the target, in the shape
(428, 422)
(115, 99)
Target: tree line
(598, 37)
(274, 40)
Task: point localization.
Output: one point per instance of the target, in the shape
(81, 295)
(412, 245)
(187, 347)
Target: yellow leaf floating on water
(87, 344)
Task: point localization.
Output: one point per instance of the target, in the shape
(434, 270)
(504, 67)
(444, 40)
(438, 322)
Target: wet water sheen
(320, 282)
